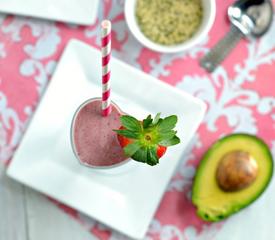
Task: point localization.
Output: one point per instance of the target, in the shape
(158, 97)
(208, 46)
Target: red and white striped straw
(106, 56)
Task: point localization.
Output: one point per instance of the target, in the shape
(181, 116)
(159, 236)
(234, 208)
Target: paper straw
(106, 56)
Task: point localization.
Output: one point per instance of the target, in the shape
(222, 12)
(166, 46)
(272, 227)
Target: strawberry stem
(148, 137)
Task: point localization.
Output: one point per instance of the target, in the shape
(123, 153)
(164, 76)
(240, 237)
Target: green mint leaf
(127, 133)
(130, 123)
(166, 135)
(147, 122)
(140, 155)
(131, 148)
(168, 123)
(152, 158)
(156, 119)
(170, 142)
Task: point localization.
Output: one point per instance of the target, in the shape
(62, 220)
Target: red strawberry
(146, 141)
(123, 141)
(161, 151)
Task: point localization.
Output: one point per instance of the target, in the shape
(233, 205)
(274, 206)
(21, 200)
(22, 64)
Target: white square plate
(73, 11)
(125, 198)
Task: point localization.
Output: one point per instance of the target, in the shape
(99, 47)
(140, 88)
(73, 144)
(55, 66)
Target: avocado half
(213, 203)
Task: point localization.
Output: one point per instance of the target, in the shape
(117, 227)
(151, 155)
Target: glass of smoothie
(93, 140)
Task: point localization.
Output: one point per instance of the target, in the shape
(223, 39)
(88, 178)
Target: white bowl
(209, 12)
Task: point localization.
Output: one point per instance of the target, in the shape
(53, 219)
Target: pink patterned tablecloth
(240, 96)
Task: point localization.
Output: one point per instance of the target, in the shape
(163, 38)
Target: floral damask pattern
(239, 95)
(10, 129)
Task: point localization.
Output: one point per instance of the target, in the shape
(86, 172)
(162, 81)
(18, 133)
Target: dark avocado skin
(206, 158)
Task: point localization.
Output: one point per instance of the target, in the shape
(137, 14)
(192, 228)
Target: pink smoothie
(95, 142)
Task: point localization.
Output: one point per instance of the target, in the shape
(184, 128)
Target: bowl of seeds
(170, 26)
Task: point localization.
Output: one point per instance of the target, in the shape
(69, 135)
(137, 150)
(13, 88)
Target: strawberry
(146, 141)
(161, 150)
(124, 141)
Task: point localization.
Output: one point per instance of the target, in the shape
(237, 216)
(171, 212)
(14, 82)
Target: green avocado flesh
(214, 204)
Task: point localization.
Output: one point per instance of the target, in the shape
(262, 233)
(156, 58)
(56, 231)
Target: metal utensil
(249, 18)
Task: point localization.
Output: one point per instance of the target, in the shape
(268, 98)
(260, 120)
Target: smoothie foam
(95, 141)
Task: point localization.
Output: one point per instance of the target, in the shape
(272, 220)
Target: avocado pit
(236, 170)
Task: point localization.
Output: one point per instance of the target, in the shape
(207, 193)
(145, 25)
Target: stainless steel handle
(218, 53)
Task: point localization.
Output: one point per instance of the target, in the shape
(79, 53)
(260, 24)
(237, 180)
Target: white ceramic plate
(73, 11)
(125, 198)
